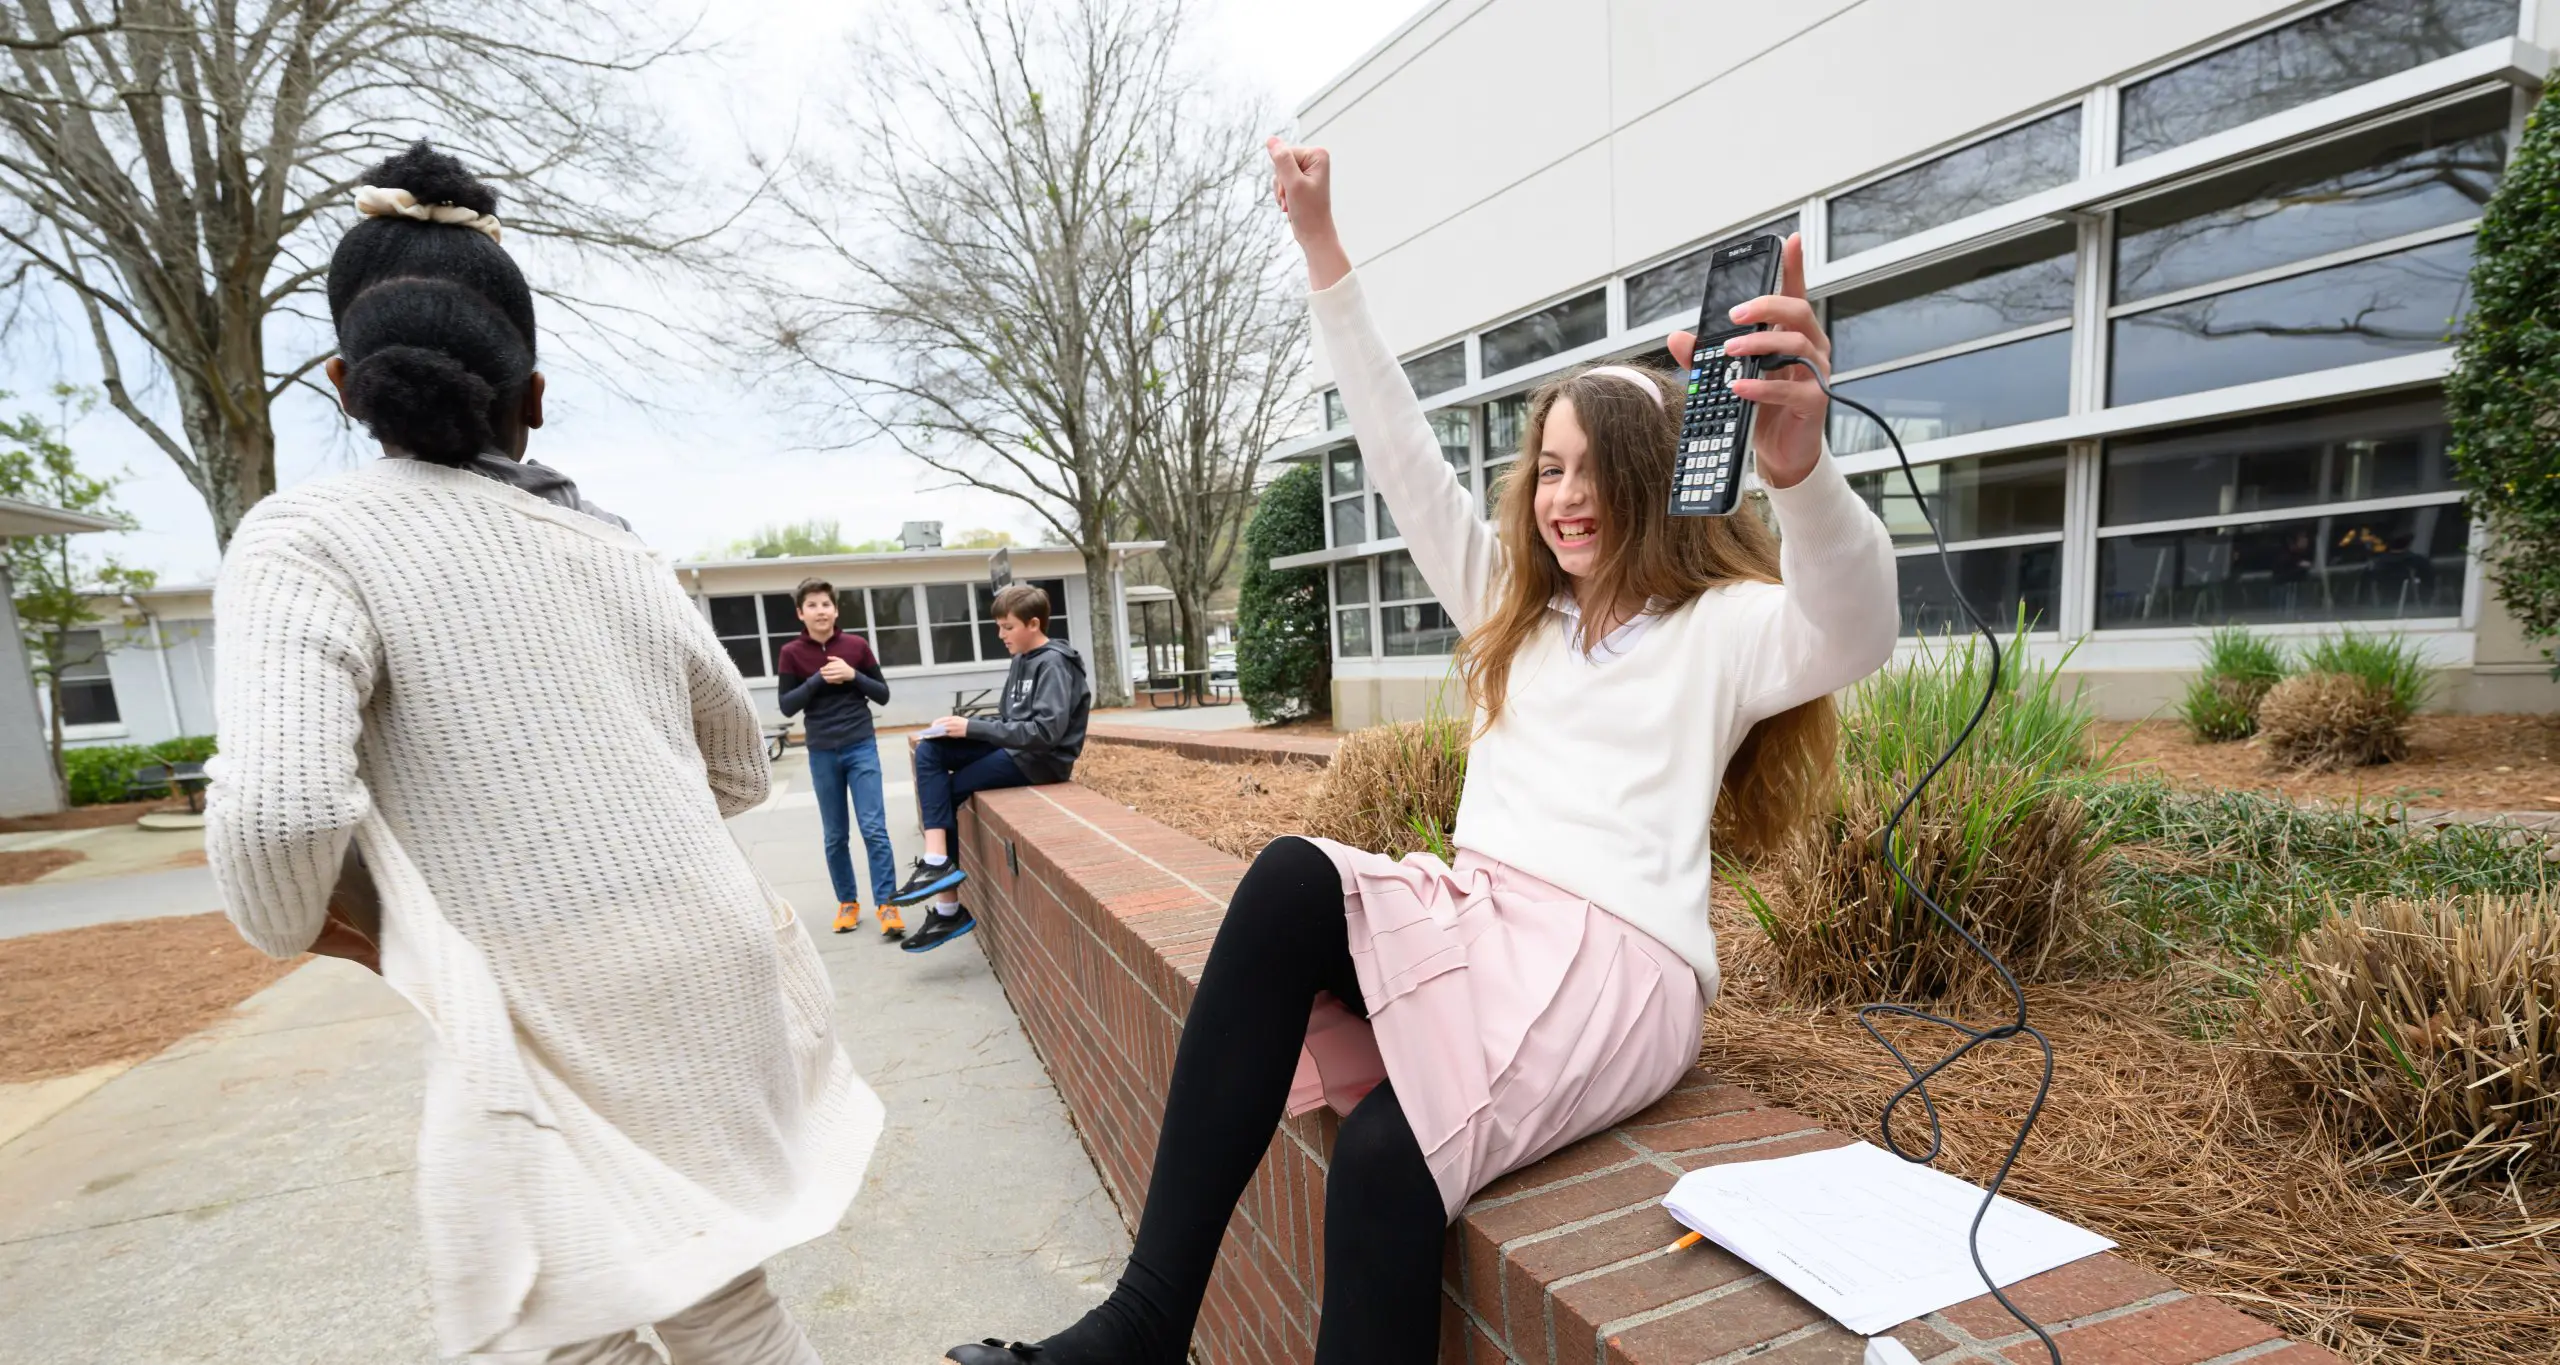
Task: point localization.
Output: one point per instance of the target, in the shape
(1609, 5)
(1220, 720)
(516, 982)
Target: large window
(2337, 49)
(2009, 288)
(1346, 505)
(1411, 620)
(1677, 288)
(1438, 372)
(2002, 519)
(1552, 330)
(1354, 631)
(2019, 381)
(1334, 416)
(963, 619)
(2368, 524)
(1995, 171)
(88, 694)
(1506, 425)
(897, 637)
(754, 628)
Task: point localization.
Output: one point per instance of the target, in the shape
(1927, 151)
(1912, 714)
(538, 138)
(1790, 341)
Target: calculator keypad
(1715, 429)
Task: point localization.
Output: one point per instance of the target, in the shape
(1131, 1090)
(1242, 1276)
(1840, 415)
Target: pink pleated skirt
(1514, 1017)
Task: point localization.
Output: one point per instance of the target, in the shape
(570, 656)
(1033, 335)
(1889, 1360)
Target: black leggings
(1284, 940)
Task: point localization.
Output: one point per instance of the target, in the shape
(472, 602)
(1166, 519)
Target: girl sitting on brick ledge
(1636, 680)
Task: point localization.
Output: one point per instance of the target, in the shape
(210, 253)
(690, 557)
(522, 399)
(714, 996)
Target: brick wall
(1097, 920)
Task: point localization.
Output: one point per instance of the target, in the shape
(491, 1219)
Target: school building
(926, 612)
(2158, 296)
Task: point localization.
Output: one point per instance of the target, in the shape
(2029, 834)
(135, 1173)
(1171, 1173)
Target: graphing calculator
(1715, 427)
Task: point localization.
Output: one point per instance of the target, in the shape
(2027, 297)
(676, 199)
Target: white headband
(375, 202)
(1633, 376)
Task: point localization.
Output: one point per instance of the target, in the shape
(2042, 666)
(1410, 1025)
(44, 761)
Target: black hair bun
(434, 177)
(425, 402)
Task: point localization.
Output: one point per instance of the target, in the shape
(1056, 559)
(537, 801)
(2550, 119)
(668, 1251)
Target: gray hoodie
(1041, 717)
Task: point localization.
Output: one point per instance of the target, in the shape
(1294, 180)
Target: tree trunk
(53, 690)
(1110, 686)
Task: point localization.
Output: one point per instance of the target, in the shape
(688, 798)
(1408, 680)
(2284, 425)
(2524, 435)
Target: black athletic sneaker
(928, 881)
(937, 929)
(992, 1352)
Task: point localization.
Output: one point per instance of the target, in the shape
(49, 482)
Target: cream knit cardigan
(635, 1091)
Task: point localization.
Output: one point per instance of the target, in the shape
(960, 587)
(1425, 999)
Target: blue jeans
(950, 771)
(855, 768)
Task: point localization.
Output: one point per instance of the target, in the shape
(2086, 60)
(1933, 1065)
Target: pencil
(1688, 1240)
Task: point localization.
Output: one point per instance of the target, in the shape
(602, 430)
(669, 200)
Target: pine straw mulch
(21, 866)
(88, 817)
(2180, 1150)
(79, 998)
(1233, 807)
(2173, 1145)
(2506, 763)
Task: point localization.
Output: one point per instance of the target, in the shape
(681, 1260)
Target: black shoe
(938, 929)
(927, 881)
(992, 1352)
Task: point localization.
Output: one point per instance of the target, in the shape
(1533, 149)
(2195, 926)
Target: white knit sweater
(635, 1092)
(1601, 776)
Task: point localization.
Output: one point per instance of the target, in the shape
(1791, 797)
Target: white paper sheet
(1870, 1239)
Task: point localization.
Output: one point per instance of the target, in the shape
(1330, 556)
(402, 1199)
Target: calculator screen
(1731, 282)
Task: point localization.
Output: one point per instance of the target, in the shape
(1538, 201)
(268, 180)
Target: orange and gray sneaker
(892, 924)
(848, 916)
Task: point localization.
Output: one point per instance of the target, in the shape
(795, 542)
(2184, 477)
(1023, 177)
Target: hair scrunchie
(374, 201)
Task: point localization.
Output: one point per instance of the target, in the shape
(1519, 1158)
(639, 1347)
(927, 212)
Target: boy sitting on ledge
(1034, 739)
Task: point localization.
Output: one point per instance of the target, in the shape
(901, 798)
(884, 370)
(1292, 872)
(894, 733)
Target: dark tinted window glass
(947, 603)
(733, 616)
(1333, 414)
(1418, 628)
(1386, 522)
(2387, 306)
(781, 617)
(1998, 582)
(849, 610)
(990, 644)
(893, 607)
(1438, 372)
(2372, 566)
(1353, 633)
(2268, 463)
(2015, 285)
(90, 703)
(954, 645)
(897, 646)
(2017, 163)
(1506, 425)
(2336, 49)
(1350, 584)
(1350, 527)
(2435, 170)
(1454, 428)
(1552, 330)
(1342, 471)
(1057, 590)
(747, 654)
(1399, 580)
(1673, 288)
(2020, 382)
(1997, 495)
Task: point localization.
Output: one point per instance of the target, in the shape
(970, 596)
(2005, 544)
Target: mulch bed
(25, 865)
(88, 817)
(80, 998)
(2506, 763)
(1236, 808)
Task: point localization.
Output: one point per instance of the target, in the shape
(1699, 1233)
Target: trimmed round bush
(1284, 662)
(1393, 789)
(2330, 722)
(2426, 1031)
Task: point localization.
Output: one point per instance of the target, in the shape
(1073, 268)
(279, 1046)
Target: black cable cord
(1918, 1084)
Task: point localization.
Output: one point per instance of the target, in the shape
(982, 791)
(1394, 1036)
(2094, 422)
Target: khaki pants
(742, 1323)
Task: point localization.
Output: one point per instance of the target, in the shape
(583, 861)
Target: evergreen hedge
(2503, 398)
(1284, 665)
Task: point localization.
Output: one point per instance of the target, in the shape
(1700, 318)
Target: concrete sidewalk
(246, 1195)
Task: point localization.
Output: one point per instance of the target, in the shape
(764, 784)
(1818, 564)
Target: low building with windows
(2159, 297)
(926, 613)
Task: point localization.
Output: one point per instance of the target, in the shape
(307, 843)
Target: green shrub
(184, 749)
(96, 774)
(2505, 384)
(1284, 658)
(2222, 703)
(2389, 664)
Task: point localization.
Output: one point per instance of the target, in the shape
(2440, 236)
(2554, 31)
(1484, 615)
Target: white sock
(936, 859)
(946, 909)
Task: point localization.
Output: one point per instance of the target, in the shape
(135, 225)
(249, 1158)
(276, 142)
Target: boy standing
(835, 678)
(1034, 739)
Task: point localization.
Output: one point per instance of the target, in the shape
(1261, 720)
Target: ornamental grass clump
(1393, 789)
(2222, 703)
(2331, 722)
(1999, 838)
(2430, 1031)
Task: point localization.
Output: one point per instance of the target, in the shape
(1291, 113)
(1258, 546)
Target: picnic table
(1187, 686)
(185, 779)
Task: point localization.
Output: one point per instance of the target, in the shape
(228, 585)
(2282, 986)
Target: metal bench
(971, 705)
(156, 779)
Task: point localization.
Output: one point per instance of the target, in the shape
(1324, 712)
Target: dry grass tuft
(2429, 1033)
(2015, 861)
(2185, 1153)
(2330, 722)
(1393, 789)
(1233, 807)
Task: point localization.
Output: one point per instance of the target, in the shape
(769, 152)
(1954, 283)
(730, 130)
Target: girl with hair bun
(450, 663)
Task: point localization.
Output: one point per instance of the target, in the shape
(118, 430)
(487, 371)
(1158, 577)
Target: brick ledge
(1097, 920)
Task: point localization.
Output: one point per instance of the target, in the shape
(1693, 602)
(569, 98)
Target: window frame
(70, 676)
(1380, 605)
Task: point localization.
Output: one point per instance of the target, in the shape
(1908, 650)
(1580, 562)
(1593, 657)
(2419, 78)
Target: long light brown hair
(1777, 780)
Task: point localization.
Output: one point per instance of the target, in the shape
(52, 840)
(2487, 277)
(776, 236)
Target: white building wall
(26, 756)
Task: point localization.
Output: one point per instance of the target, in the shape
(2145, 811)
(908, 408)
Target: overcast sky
(709, 463)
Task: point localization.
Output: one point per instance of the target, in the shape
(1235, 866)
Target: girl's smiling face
(1567, 505)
